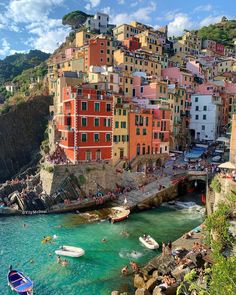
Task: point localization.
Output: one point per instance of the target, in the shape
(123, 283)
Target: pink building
(174, 74)
(69, 53)
(195, 68)
(149, 89)
(207, 88)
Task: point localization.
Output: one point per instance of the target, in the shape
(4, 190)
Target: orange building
(140, 133)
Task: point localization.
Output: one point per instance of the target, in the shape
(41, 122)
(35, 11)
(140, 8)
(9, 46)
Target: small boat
(70, 251)
(216, 158)
(19, 283)
(118, 214)
(149, 242)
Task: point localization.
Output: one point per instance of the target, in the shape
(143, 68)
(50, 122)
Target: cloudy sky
(30, 24)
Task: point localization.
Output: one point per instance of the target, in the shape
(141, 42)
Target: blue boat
(19, 283)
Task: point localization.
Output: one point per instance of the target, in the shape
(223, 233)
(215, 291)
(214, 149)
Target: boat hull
(19, 283)
(70, 251)
(152, 244)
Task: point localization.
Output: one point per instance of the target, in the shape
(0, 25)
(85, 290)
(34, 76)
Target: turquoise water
(96, 273)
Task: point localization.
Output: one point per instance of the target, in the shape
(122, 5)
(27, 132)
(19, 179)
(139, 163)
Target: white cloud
(121, 2)
(24, 11)
(142, 14)
(180, 22)
(210, 20)
(106, 10)
(207, 7)
(5, 49)
(92, 4)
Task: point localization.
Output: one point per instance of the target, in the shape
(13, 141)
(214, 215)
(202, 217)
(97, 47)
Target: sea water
(98, 271)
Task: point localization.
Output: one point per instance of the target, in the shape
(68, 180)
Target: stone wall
(21, 132)
(90, 177)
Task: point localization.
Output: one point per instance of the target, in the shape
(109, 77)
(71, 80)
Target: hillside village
(126, 91)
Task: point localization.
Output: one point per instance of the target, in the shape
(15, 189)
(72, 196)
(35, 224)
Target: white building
(99, 22)
(205, 117)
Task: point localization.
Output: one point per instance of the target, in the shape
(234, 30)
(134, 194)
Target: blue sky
(36, 24)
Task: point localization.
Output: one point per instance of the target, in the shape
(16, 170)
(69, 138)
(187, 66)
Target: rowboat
(19, 283)
(118, 214)
(149, 242)
(70, 251)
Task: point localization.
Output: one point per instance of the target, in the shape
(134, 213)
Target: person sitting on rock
(125, 270)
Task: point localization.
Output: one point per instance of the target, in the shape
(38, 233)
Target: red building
(132, 43)
(86, 124)
(220, 49)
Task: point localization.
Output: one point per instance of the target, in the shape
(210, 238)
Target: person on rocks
(163, 249)
(169, 245)
(134, 266)
(125, 270)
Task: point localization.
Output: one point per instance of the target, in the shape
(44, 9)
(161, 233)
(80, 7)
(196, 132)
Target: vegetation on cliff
(75, 19)
(15, 64)
(223, 32)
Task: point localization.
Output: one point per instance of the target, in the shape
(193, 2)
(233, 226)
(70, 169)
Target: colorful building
(86, 128)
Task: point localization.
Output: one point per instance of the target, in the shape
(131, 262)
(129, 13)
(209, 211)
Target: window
(196, 117)
(84, 137)
(204, 117)
(96, 137)
(203, 127)
(141, 89)
(123, 124)
(146, 121)
(102, 51)
(197, 108)
(108, 107)
(107, 122)
(117, 124)
(96, 122)
(124, 112)
(119, 112)
(160, 89)
(84, 122)
(137, 131)
(79, 91)
(84, 106)
(97, 106)
(108, 137)
(196, 99)
(205, 108)
(108, 51)
(144, 131)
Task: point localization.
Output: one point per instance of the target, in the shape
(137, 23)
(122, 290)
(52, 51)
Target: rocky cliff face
(21, 132)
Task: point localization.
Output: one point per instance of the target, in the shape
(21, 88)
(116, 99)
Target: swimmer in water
(103, 240)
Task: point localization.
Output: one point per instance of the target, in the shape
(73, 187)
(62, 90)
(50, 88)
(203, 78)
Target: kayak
(46, 240)
(149, 242)
(70, 251)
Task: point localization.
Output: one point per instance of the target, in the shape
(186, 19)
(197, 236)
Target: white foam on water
(124, 253)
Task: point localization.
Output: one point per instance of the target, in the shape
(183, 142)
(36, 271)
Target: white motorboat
(70, 251)
(149, 242)
(216, 158)
(118, 214)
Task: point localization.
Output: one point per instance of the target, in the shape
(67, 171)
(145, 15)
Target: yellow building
(120, 130)
(227, 65)
(190, 43)
(180, 116)
(82, 38)
(125, 31)
(142, 61)
(150, 41)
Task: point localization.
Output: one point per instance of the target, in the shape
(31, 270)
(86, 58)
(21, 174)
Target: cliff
(21, 132)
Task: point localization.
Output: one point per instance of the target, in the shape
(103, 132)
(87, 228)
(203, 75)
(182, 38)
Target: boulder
(179, 272)
(151, 284)
(157, 291)
(139, 281)
(114, 293)
(155, 274)
(142, 291)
